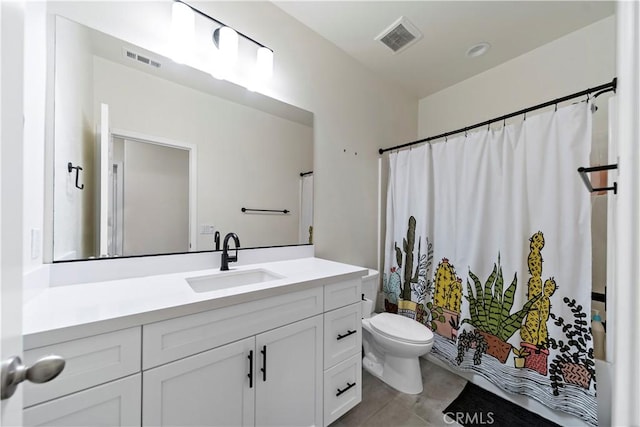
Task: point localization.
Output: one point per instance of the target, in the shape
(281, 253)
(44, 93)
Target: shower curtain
(488, 243)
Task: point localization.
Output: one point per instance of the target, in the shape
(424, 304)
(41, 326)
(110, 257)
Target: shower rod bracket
(583, 174)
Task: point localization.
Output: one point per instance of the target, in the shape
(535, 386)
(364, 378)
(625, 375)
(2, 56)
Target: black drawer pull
(345, 389)
(346, 335)
(250, 375)
(264, 362)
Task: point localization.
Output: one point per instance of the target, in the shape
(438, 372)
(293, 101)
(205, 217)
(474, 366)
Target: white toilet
(392, 343)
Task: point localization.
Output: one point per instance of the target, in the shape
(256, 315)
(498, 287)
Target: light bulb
(263, 69)
(264, 63)
(228, 46)
(217, 68)
(182, 32)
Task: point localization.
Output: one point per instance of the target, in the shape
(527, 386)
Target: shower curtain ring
(525, 116)
(556, 107)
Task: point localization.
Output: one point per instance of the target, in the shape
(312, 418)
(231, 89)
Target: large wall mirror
(152, 157)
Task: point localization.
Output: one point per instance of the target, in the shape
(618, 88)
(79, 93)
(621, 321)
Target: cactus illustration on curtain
(406, 286)
(448, 287)
(407, 245)
(534, 332)
(448, 295)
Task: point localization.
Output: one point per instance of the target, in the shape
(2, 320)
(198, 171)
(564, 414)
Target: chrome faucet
(226, 259)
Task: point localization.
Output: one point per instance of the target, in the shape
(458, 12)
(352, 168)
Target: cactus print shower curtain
(488, 243)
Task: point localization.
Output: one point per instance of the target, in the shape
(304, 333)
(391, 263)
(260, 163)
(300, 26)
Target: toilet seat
(401, 328)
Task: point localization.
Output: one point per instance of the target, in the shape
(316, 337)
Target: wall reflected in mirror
(169, 155)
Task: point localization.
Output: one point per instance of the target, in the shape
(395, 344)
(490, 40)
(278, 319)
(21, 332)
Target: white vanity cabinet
(286, 357)
(271, 379)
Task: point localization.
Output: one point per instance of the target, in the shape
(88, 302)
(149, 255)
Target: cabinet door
(289, 384)
(209, 389)
(113, 404)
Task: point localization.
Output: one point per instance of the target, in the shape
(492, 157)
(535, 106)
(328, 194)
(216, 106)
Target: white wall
(579, 60)
(74, 221)
(245, 157)
(355, 111)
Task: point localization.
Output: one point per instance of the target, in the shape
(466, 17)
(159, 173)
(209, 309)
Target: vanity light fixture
(224, 55)
(263, 70)
(182, 32)
(264, 63)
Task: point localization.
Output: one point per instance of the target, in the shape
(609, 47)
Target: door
(208, 389)
(156, 198)
(289, 385)
(11, 126)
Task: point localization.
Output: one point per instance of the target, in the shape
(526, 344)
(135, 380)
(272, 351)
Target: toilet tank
(370, 286)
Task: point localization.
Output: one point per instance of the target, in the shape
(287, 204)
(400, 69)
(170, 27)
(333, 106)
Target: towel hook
(70, 168)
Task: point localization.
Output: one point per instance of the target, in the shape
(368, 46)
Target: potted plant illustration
(391, 286)
(448, 295)
(490, 311)
(468, 340)
(428, 315)
(574, 363)
(534, 332)
(455, 325)
(519, 357)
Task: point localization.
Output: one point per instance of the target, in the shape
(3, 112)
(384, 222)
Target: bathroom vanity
(278, 345)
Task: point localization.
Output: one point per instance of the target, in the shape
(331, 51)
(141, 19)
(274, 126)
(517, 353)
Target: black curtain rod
(199, 12)
(306, 173)
(607, 87)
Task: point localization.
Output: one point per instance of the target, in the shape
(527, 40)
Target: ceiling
(450, 28)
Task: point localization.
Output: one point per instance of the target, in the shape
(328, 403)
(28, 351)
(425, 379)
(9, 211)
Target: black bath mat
(477, 407)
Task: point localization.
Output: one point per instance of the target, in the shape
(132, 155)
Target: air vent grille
(140, 58)
(398, 38)
(400, 35)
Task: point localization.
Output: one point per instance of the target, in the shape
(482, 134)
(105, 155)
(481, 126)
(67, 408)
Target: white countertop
(61, 313)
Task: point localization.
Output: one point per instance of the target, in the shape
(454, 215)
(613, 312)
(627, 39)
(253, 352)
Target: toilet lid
(402, 328)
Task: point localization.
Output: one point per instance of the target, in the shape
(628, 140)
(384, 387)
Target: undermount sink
(231, 279)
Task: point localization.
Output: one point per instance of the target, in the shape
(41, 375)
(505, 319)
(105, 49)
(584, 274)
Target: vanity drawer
(117, 403)
(342, 334)
(342, 293)
(89, 361)
(342, 388)
(174, 339)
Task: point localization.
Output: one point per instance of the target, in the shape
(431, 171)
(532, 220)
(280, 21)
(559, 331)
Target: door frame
(12, 39)
(193, 172)
(626, 292)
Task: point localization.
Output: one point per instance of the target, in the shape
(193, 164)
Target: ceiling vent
(400, 35)
(140, 58)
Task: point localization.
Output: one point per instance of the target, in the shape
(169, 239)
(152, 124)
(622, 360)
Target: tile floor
(383, 406)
